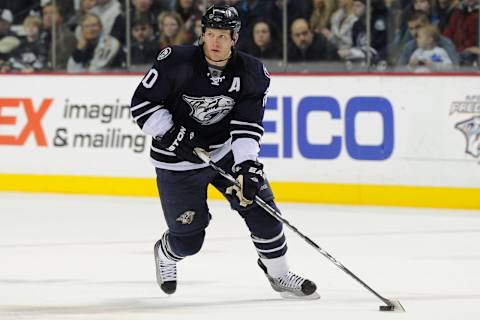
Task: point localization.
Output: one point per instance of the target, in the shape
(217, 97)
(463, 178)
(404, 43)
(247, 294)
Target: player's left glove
(182, 142)
(250, 177)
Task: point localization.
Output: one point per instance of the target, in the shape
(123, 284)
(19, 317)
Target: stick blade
(393, 305)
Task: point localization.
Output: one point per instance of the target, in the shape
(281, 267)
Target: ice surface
(88, 257)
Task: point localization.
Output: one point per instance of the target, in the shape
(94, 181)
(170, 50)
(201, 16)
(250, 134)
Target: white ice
(89, 257)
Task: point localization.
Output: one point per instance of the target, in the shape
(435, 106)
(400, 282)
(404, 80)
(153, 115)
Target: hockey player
(212, 97)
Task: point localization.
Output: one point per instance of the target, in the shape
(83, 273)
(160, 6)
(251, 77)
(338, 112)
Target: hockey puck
(386, 308)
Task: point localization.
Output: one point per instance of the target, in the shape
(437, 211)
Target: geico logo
(298, 124)
(33, 124)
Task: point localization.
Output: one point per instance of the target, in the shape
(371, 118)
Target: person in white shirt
(429, 56)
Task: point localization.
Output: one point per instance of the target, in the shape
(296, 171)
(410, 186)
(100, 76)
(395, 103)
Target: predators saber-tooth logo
(209, 110)
(471, 129)
(186, 217)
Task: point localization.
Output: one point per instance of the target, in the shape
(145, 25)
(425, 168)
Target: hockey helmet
(221, 17)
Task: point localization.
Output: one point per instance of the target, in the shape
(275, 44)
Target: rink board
(390, 140)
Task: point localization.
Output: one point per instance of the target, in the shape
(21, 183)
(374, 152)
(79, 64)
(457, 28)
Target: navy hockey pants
(183, 196)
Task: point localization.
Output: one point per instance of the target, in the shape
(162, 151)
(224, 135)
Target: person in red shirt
(463, 29)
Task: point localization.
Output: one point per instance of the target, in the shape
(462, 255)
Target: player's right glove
(250, 177)
(180, 141)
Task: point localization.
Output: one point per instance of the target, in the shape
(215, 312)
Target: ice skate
(166, 270)
(292, 286)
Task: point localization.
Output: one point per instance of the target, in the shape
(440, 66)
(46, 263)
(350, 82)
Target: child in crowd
(429, 56)
(32, 54)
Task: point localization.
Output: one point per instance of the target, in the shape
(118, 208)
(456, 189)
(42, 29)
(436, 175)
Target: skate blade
(291, 296)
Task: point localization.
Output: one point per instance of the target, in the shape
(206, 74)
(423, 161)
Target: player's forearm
(245, 149)
(151, 117)
(159, 123)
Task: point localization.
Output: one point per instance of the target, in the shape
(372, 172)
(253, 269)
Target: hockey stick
(390, 305)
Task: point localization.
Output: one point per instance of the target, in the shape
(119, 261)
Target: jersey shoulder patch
(164, 53)
(176, 55)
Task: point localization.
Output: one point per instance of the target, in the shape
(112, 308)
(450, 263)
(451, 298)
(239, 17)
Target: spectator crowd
(91, 35)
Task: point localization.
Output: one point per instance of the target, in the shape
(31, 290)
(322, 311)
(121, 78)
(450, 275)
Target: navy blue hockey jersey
(225, 112)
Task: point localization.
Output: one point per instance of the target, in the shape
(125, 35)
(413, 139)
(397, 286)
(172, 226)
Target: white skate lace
(291, 281)
(168, 271)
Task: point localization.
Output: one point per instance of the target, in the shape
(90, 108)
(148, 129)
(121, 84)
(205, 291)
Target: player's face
(217, 43)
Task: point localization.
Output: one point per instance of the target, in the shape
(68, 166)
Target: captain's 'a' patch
(164, 53)
(209, 110)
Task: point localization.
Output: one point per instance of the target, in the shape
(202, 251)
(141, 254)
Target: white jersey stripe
(253, 133)
(147, 112)
(138, 106)
(167, 153)
(247, 124)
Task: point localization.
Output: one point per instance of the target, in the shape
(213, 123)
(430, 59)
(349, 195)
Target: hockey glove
(180, 141)
(250, 177)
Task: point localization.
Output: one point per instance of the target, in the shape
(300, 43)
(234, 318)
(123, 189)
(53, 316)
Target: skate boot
(292, 286)
(166, 270)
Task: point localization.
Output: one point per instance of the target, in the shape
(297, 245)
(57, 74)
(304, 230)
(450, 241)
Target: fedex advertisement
(386, 130)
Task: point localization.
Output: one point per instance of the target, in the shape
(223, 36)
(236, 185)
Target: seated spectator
(425, 6)
(463, 29)
(144, 43)
(95, 51)
(321, 15)
(188, 10)
(341, 25)
(112, 18)
(415, 21)
(308, 46)
(144, 10)
(265, 43)
(32, 54)
(8, 40)
(172, 31)
(85, 7)
(419, 20)
(429, 56)
(64, 39)
(445, 9)
(378, 41)
(249, 12)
